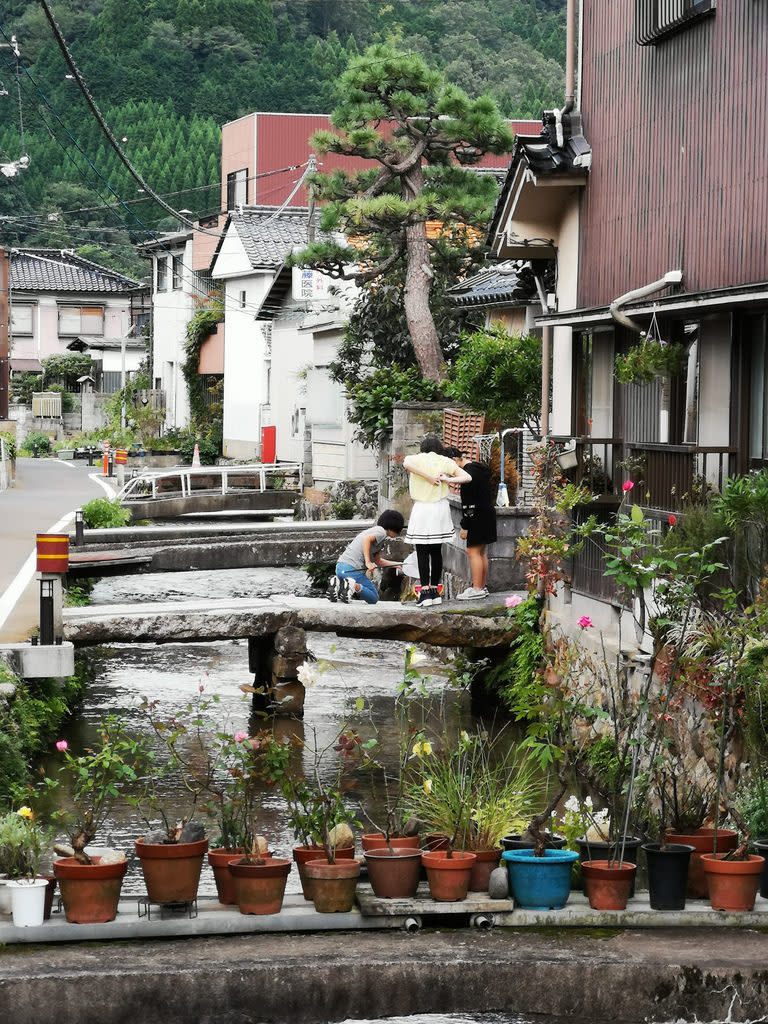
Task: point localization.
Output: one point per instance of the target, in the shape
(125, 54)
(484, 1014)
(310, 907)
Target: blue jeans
(368, 591)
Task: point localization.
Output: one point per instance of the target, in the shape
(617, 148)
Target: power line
(109, 135)
(179, 192)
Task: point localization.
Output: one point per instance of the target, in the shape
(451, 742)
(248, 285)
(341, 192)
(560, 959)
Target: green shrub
(105, 514)
(36, 444)
(67, 398)
(78, 595)
(209, 442)
(319, 573)
(24, 383)
(498, 374)
(344, 508)
(517, 679)
(372, 399)
(10, 443)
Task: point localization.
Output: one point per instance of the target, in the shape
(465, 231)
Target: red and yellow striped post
(53, 553)
(121, 456)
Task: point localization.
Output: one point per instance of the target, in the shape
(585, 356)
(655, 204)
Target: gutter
(570, 72)
(670, 278)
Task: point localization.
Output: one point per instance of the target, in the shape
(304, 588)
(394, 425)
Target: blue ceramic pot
(540, 883)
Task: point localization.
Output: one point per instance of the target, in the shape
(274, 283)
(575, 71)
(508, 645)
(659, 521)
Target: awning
(27, 365)
(677, 306)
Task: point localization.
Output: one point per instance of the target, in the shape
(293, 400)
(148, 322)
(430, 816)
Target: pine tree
(420, 135)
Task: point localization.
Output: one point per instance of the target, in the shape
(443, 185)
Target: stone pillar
(411, 421)
(290, 652)
(274, 662)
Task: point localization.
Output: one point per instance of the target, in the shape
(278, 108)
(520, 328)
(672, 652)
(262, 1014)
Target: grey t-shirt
(353, 552)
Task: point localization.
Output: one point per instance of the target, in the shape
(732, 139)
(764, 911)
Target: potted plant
(392, 853)
(325, 853)
(171, 855)
(258, 879)
(683, 808)
(90, 885)
(22, 845)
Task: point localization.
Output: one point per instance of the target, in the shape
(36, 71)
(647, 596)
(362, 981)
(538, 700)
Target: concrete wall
(93, 410)
(411, 422)
(291, 363)
(504, 571)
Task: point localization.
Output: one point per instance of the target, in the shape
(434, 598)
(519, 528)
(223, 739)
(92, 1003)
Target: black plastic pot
(761, 847)
(610, 851)
(667, 874)
(515, 841)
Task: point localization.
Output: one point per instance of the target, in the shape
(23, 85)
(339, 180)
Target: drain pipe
(671, 277)
(570, 71)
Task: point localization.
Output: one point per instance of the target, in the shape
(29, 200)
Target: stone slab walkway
(453, 624)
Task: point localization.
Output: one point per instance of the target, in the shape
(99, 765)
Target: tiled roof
(60, 270)
(268, 239)
(504, 284)
(546, 155)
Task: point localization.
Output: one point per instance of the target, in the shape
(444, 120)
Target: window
(74, 320)
(22, 319)
(177, 273)
(655, 19)
(162, 273)
(242, 300)
(237, 188)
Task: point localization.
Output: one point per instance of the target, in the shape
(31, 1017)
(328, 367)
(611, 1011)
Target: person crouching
(361, 557)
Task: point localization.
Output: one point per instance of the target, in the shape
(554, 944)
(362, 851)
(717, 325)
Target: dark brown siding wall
(679, 134)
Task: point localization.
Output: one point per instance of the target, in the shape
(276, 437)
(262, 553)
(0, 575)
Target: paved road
(46, 491)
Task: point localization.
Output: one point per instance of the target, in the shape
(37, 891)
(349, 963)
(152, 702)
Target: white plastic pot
(28, 901)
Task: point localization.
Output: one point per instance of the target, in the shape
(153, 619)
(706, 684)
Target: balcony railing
(669, 477)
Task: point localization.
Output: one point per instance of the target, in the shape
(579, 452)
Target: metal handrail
(185, 473)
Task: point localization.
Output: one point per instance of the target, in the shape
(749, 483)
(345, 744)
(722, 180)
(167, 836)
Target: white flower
(572, 805)
(588, 803)
(308, 674)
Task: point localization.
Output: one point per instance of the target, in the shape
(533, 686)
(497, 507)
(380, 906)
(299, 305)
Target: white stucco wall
(172, 310)
(562, 337)
(714, 382)
(45, 340)
(335, 455)
(291, 363)
(245, 366)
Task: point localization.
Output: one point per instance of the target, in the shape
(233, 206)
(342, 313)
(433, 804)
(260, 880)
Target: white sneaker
(334, 586)
(346, 591)
(472, 594)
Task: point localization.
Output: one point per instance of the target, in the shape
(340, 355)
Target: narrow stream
(123, 675)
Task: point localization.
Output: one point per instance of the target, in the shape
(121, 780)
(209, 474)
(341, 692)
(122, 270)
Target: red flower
(672, 519)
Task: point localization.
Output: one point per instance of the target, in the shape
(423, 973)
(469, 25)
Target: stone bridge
(235, 619)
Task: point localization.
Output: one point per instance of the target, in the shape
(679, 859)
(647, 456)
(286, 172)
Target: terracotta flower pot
(260, 887)
(394, 873)
(90, 892)
(378, 841)
(733, 884)
(333, 885)
(303, 854)
(171, 870)
(607, 884)
(225, 883)
(485, 862)
(448, 877)
(703, 841)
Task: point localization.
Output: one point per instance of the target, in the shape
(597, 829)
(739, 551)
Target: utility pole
(5, 342)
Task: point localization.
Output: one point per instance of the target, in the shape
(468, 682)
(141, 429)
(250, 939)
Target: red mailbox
(53, 552)
(268, 444)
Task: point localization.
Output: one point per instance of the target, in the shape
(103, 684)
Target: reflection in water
(169, 674)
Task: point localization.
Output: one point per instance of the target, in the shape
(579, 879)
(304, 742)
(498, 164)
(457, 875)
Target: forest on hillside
(168, 73)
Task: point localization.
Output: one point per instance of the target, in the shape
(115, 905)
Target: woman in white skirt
(430, 524)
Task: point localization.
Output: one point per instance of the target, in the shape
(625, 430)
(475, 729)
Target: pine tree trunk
(418, 285)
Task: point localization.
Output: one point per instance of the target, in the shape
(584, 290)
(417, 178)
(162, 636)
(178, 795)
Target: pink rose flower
(627, 486)
(61, 746)
(240, 736)
(585, 622)
(513, 601)
(672, 519)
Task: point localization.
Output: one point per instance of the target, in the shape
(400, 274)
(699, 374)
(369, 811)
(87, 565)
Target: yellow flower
(418, 748)
(426, 748)
(27, 813)
(464, 736)
(427, 786)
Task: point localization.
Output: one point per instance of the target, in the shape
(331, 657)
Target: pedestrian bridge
(448, 625)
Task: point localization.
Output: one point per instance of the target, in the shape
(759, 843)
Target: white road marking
(103, 483)
(70, 464)
(25, 574)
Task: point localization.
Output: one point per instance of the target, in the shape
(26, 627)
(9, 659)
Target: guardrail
(187, 481)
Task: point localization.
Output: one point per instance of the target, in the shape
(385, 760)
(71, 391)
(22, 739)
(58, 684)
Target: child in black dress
(478, 523)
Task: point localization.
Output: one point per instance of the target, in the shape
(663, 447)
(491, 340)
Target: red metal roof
(283, 140)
